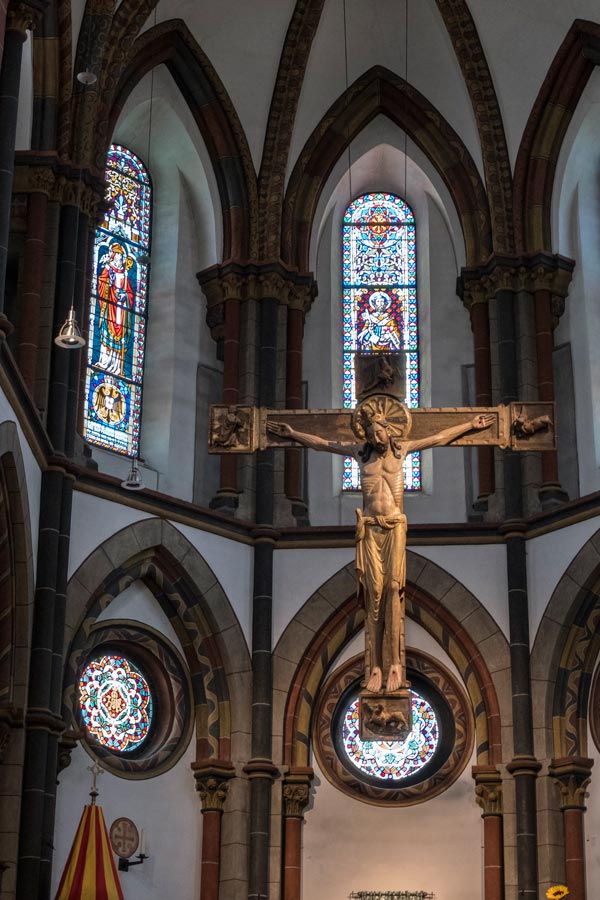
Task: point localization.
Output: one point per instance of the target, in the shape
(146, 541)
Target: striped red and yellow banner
(90, 872)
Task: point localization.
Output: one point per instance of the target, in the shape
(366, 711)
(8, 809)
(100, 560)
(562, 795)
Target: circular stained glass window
(115, 702)
(393, 760)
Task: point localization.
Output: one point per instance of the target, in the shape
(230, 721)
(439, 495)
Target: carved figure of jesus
(381, 526)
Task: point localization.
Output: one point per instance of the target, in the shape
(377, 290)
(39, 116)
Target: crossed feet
(394, 679)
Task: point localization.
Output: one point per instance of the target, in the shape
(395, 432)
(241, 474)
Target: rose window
(115, 702)
(392, 760)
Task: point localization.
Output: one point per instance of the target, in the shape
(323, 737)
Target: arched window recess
(379, 274)
(118, 308)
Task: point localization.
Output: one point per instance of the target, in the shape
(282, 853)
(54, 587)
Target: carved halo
(382, 407)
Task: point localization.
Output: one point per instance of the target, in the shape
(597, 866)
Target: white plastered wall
(375, 35)
(95, 520)
(394, 842)
(297, 574)
(167, 806)
(576, 233)
(378, 163)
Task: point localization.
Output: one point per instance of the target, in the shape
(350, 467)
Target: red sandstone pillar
(33, 279)
(212, 781)
(488, 792)
(572, 775)
(296, 794)
(483, 388)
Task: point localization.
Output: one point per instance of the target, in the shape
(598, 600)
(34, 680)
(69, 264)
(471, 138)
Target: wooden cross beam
(517, 426)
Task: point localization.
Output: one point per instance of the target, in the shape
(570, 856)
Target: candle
(143, 842)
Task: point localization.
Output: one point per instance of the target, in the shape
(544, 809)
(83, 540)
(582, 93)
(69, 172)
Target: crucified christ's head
(379, 439)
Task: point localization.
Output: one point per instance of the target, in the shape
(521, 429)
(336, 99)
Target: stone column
(488, 793)
(572, 775)
(212, 782)
(223, 287)
(549, 283)
(473, 290)
(40, 182)
(21, 18)
(296, 794)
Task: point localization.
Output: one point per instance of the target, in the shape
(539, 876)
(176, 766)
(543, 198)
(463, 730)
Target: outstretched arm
(442, 438)
(283, 430)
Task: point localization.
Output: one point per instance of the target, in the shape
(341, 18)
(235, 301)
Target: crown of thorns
(381, 410)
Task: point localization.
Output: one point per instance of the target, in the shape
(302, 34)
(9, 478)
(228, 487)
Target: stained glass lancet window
(392, 760)
(115, 702)
(117, 326)
(380, 301)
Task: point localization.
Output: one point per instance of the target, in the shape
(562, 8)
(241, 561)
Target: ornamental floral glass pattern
(117, 324)
(380, 301)
(115, 702)
(392, 760)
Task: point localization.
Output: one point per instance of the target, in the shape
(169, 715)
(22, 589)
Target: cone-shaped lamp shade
(69, 336)
(133, 482)
(90, 872)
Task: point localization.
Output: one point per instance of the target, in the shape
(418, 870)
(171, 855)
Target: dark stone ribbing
(516, 565)
(262, 613)
(43, 724)
(10, 77)
(61, 359)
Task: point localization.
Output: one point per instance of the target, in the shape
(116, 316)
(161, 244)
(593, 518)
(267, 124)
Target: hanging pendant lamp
(69, 337)
(133, 482)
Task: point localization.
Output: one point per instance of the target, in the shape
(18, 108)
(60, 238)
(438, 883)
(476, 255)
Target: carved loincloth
(380, 558)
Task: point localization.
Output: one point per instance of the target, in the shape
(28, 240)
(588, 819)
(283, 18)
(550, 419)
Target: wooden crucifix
(378, 433)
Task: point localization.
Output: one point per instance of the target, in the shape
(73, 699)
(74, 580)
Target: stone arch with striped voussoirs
(331, 617)
(564, 655)
(187, 590)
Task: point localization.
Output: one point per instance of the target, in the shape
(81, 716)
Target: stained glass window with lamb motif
(392, 760)
(380, 301)
(117, 324)
(115, 702)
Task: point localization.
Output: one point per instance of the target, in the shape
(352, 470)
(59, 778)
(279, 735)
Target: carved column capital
(256, 281)
(296, 791)
(23, 17)
(212, 783)
(572, 776)
(488, 789)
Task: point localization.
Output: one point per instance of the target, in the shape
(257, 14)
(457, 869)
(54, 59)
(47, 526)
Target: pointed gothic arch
(171, 44)
(438, 602)
(544, 134)
(156, 553)
(565, 652)
(380, 92)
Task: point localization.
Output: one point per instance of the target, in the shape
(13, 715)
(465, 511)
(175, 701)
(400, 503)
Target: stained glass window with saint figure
(380, 302)
(117, 324)
(115, 702)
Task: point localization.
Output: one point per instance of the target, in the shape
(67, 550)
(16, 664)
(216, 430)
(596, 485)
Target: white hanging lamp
(133, 482)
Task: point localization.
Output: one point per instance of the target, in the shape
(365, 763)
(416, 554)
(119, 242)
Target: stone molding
(572, 775)
(253, 281)
(23, 17)
(296, 791)
(488, 790)
(528, 274)
(212, 783)
(523, 765)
